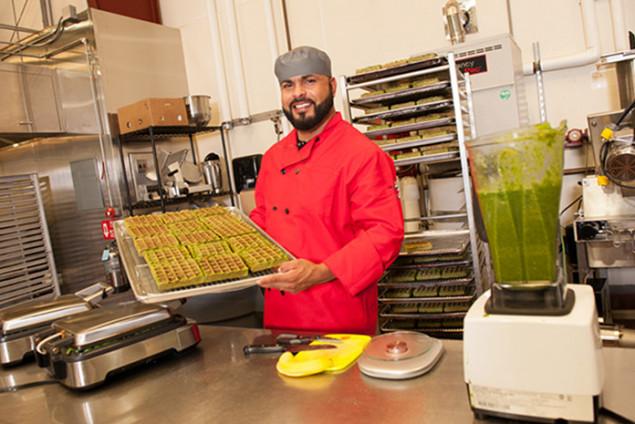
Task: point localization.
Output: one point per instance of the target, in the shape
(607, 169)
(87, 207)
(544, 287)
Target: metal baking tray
(437, 157)
(442, 243)
(454, 332)
(145, 288)
(402, 69)
(398, 96)
(417, 143)
(387, 313)
(465, 261)
(403, 112)
(410, 127)
(469, 295)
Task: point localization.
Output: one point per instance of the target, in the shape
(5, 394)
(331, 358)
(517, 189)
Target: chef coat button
(286, 210)
(297, 171)
(281, 292)
(275, 208)
(284, 171)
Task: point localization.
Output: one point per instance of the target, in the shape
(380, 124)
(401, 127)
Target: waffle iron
(23, 323)
(87, 348)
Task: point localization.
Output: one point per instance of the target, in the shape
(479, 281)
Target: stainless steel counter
(216, 383)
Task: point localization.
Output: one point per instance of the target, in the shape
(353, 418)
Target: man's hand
(297, 275)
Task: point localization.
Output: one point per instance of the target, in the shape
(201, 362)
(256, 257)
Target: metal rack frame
(153, 133)
(461, 117)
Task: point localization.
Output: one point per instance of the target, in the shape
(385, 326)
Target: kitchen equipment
(410, 196)
(531, 345)
(279, 348)
(112, 265)
(88, 348)
(400, 355)
(246, 170)
(212, 172)
(20, 324)
(199, 109)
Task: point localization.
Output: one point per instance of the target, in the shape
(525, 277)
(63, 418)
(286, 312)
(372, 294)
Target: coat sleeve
(379, 226)
(257, 215)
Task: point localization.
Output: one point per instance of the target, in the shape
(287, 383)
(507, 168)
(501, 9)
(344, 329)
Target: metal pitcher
(212, 172)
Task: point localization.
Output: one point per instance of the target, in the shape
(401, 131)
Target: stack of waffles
(193, 247)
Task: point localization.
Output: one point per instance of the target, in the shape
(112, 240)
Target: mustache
(300, 100)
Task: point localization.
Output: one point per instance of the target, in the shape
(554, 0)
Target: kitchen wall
(357, 33)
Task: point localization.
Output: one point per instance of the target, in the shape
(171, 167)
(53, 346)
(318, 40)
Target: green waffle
(454, 290)
(188, 226)
(430, 308)
(263, 257)
(454, 272)
(425, 291)
(247, 241)
(177, 274)
(147, 230)
(398, 293)
(403, 276)
(166, 255)
(184, 215)
(155, 242)
(223, 267)
(213, 210)
(428, 274)
(196, 237)
(404, 308)
(204, 250)
(456, 307)
(233, 229)
(141, 220)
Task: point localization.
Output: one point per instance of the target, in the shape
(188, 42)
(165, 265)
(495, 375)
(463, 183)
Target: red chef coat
(333, 201)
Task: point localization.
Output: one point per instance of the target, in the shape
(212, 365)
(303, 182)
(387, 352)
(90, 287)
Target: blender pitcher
(517, 177)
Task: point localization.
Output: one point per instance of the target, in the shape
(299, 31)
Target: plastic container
(518, 178)
(410, 196)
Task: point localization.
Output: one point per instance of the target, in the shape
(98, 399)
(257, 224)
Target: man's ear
(333, 83)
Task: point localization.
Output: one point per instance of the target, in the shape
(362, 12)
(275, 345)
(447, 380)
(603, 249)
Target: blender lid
(400, 355)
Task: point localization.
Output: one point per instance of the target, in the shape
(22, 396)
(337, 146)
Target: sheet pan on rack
(403, 112)
(398, 96)
(410, 127)
(408, 67)
(145, 288)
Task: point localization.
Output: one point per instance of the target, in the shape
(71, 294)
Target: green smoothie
(518, 178)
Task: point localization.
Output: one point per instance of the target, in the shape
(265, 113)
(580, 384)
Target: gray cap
(302, 61)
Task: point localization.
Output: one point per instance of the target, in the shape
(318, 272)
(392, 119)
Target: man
(327, 194)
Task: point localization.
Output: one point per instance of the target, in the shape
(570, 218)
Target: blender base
(540, 368)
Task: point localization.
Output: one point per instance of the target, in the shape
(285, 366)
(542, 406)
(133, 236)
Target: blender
(532, 347)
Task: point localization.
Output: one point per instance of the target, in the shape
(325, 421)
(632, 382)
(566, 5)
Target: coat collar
(292, 155)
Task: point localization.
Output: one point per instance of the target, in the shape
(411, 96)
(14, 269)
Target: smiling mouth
(301, 106)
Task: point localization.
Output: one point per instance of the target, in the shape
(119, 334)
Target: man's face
(307, 100)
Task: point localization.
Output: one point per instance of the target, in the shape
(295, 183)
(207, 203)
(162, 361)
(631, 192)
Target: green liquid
(522, 227)
(518, 177)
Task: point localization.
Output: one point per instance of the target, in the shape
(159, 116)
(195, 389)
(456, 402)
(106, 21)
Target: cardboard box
(152, 112)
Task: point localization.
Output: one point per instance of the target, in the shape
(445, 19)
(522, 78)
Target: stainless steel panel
(76, 237)
(110, 322)
(37, 312)
(30, 96)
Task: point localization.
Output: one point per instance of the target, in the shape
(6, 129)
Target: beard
(304, 123)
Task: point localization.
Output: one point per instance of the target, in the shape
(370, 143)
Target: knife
(250, 349)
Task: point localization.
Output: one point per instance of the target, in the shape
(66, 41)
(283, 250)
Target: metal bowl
(199, 109)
